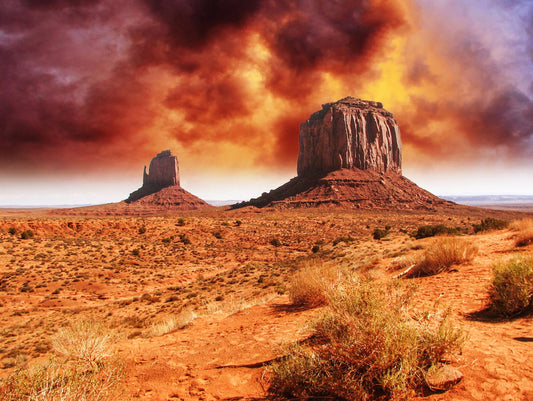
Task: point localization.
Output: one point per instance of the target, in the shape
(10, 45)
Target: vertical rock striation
(350, 134)
(163, 171)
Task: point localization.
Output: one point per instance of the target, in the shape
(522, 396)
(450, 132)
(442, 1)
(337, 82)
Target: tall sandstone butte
(350, 133)
(163, 171)
(350, 156)
(161, 186)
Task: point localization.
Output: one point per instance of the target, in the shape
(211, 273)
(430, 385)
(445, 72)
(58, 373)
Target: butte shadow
(350, 156)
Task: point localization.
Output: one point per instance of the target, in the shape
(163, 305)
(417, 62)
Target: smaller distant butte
(161, 186)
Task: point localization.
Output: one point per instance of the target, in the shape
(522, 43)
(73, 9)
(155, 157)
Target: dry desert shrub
(310, 285)
(54, 381)
(431, 231)
(489, 224)
(524, 231)
(365, 345)
(171, 324)
(85, 340)
(441, 255)
(511, 290)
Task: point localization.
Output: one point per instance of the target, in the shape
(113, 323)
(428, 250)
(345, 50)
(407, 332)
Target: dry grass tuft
(88, 341)
(366, 345)
(171, 324)
(310, 285)
(54, 381)
(441, 255)
(524, 228)
(511, 291)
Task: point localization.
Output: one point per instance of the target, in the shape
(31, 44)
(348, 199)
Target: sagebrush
(86, 340)
(490, 223)
(366, 345)
(524, 231)
(310, 285)
(511, 290)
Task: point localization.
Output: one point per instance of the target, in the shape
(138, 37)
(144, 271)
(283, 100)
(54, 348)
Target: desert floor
(197, 301)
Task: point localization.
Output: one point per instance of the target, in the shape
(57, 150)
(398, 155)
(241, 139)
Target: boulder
(443, 377)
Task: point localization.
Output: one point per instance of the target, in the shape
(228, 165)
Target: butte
(161, 186)
(350, 156)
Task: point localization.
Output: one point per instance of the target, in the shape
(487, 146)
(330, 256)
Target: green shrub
(365, 346)
(217, 234)
(142, 230)
(511, 291)
(490, 224)
(26, 234)
(431, 231)
(184, 239)
(275, 242)
(315, 248)
(12, 230)
(181, 222)
(380, 233)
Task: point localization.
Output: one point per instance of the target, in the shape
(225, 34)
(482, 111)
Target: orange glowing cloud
(226, 84)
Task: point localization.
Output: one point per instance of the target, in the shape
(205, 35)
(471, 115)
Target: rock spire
(163, 171)
(161, 186)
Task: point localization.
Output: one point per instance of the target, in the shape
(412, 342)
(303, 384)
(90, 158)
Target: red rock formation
(350, 189)
(163, 171)
(161, 186)
(351, 157)
(173, 197)
(350, 133)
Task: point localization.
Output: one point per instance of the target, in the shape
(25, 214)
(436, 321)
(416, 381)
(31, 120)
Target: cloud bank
(226, 82)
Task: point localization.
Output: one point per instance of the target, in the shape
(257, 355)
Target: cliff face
(350, 134)
(163, 171)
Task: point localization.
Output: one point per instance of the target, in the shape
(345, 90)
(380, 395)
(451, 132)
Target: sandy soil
(135, 273)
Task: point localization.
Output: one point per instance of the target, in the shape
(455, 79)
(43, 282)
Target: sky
(91, 90)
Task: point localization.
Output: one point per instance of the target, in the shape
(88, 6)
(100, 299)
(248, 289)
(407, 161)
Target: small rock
(442, 377)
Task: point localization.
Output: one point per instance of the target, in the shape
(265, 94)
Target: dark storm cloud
(192, 24)
(341, 37)
(330, 34)
(60, 80)
(203, 39)
(501, 120)
(81, 74)
(487, 109)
